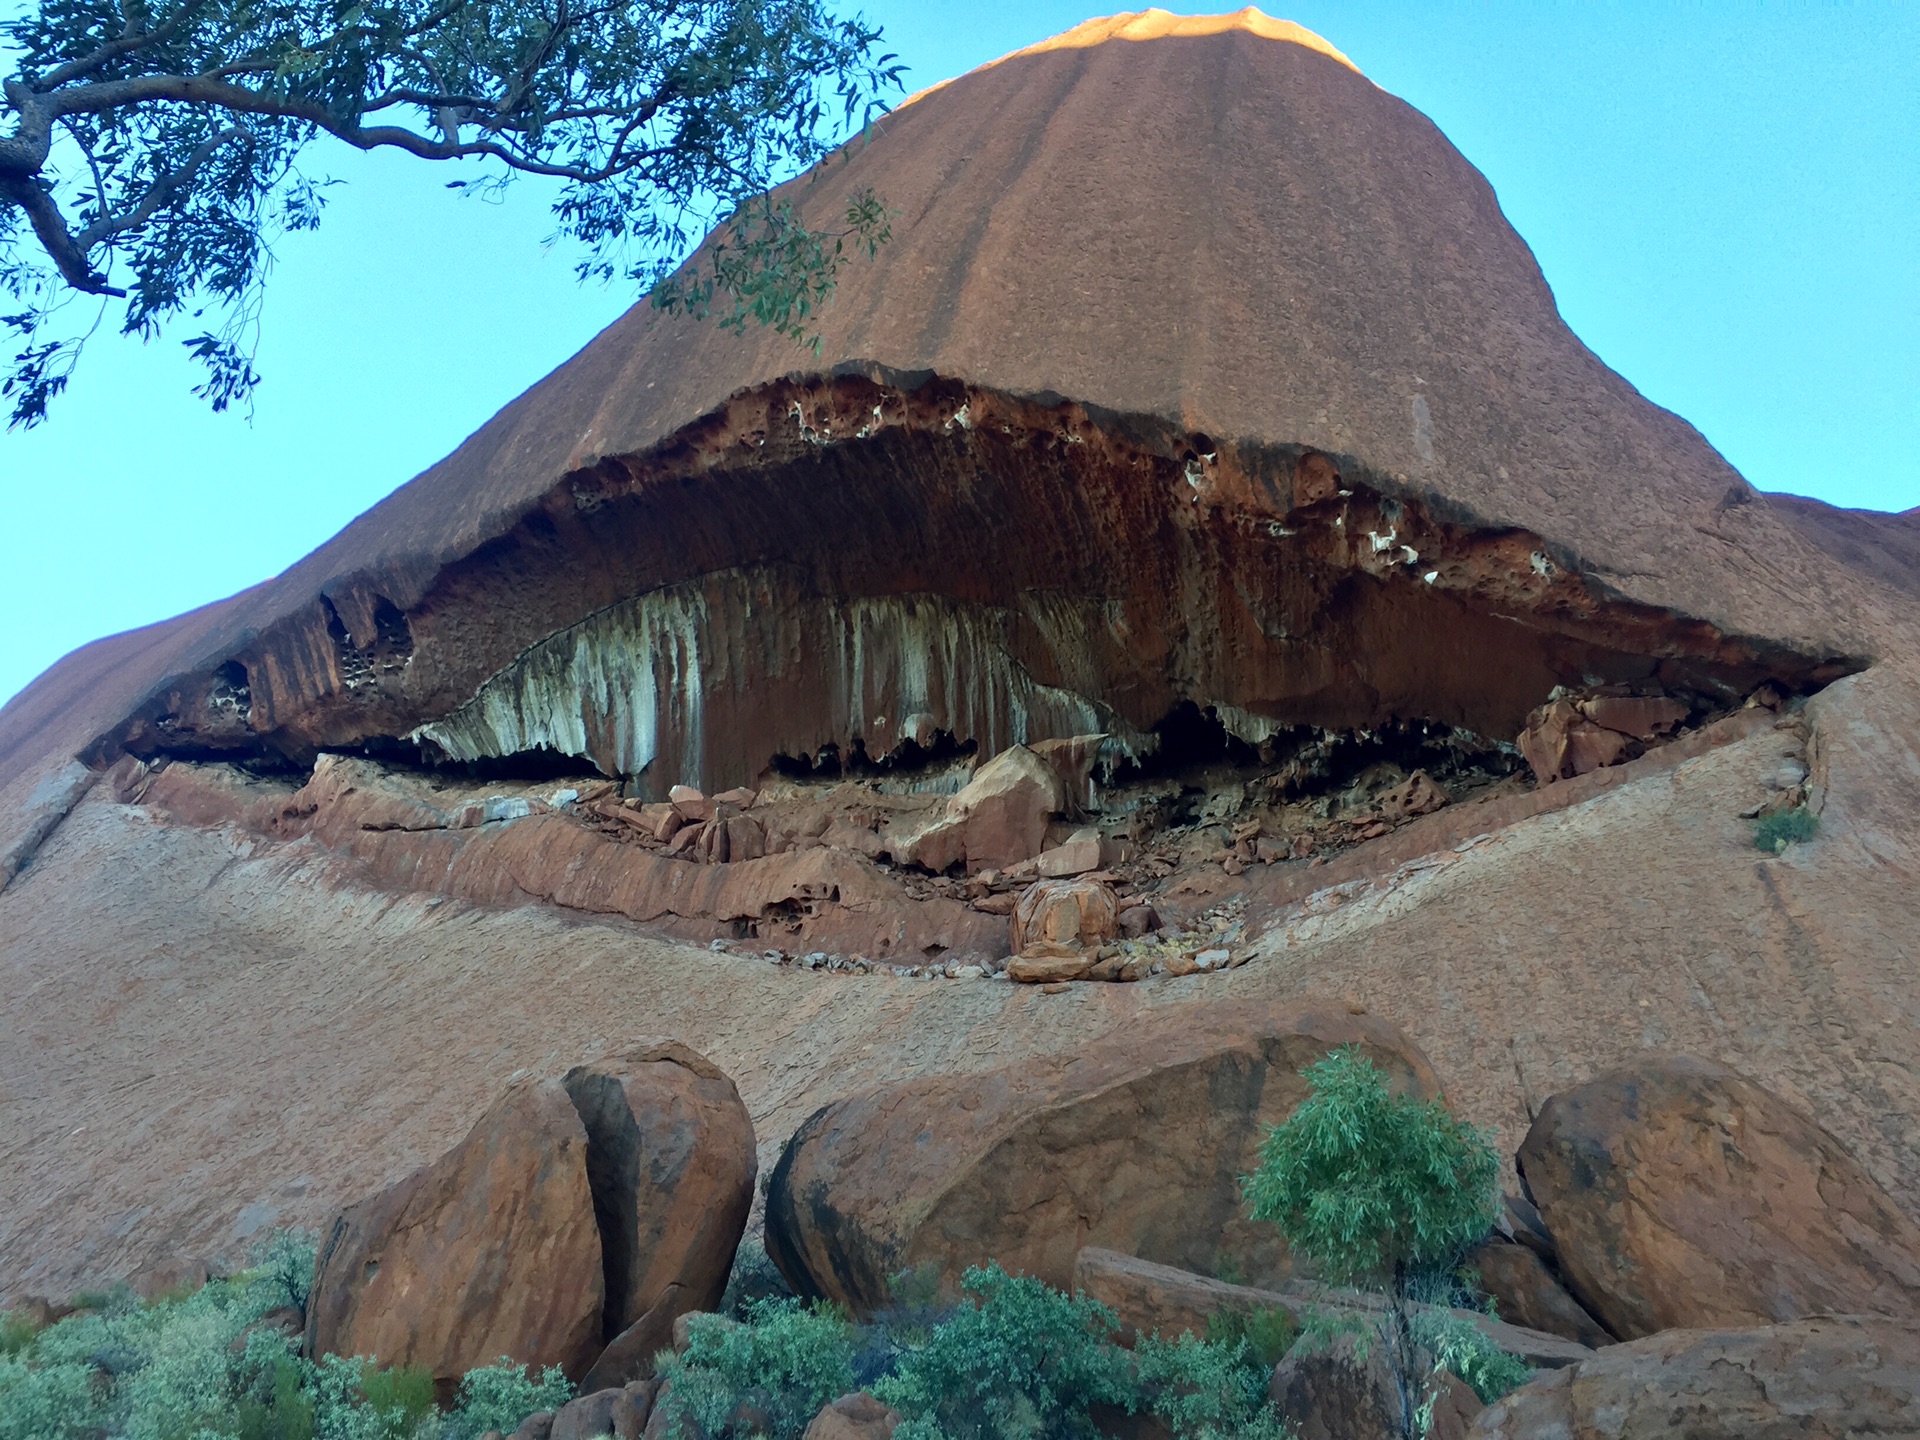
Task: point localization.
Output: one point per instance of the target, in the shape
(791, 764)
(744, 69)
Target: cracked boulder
(571, 1227)
(1134, 1142)
(672, 1165)
(491, 1250)
(1680, 1194)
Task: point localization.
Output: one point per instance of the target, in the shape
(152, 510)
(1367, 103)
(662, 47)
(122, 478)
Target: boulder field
(588, 1212)
(1197, 569)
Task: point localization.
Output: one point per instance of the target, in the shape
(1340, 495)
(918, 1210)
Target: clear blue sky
(1725, 199)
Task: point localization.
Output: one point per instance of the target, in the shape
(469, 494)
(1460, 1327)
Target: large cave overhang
(847, 563)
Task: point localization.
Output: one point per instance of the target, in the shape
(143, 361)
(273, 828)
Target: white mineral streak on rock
(748, 653)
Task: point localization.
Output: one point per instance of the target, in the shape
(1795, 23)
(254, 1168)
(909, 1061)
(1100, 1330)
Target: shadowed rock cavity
(862, 563)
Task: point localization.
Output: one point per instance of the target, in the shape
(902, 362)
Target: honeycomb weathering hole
(862, 570)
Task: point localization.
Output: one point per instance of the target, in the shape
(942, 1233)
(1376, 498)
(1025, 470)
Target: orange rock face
(571, 1227)
(671, 1162)
(1828, 1379)
(1136, 1143)
(491, 1250)
(1681, 1194)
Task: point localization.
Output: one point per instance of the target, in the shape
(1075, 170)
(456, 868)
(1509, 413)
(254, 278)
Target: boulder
(998, 818)
(1134, 1142)
(1644, 717)
(1053, 969)
(1163, 1300)
(1526, 1292)
(854, 1417)
(1418, 794)
(1072, 759)
(490, 1250)
(1148, 1297)
(1822, 1379)
(1680, 1194)
(1064, 918)
(588, 1417)
(672, 1169)
(1332, 1392)
(1078, 854)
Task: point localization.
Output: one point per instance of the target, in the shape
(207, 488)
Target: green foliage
(202, 1366)
(1366, 1184)
(1206, 1389)
(767, 1375)
(1268, 1332)
(16, 1332)
(1774, 833)
(1459, 1346)
(501, 1395)
(1025, 1361)
(284, 1263)
(1384, 1191)
(152, 152)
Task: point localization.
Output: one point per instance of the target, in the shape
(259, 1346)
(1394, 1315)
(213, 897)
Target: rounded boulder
(1681, 1194)
(1135, 1142)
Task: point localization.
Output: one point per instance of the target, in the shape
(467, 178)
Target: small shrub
(1268, 1332)
(499, 1396)
(767, 1375)
(48, 1402)
(1774, 833)
(1206, 1389)
(752, 1277)
(1460, 1347)
(1025, 1361)
(16, 1332)
(283, 1264)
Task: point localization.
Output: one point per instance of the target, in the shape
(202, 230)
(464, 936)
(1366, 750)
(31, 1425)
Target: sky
(1725, 200)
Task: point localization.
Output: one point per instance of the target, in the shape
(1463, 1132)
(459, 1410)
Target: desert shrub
(283, 1265)
(1206, 1389)
(199, 1365)
(1382, 1191)
(501, 1395)
(1774, 833)
(1267, 1331)
(766, 1375)
(16, 1332)
(1024, 1361)
(47, 1402)
(1459, 1346)
(354, 1399)
(753, 1276)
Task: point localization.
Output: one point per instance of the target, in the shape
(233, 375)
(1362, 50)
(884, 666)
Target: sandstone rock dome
(1200, 376)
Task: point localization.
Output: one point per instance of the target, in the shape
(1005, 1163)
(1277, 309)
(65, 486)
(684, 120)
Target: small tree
(1378, 1190)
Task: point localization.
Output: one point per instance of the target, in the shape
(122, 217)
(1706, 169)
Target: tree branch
(159, 194)
(50, 227)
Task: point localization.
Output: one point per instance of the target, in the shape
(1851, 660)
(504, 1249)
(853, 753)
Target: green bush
(501, 1395)
(201, 1366)
(766, 1375)
(1206, 1389)
(1025, 1361)
(1774, 833)
(1460, 1347)
(1268, 1332)
(1384, 1191)
(16, 1332)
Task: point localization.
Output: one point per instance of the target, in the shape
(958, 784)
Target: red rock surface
(1136, 1142)
(1681, 1195)
(492, 1250)
(1835, 1378)
(211, 1029)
